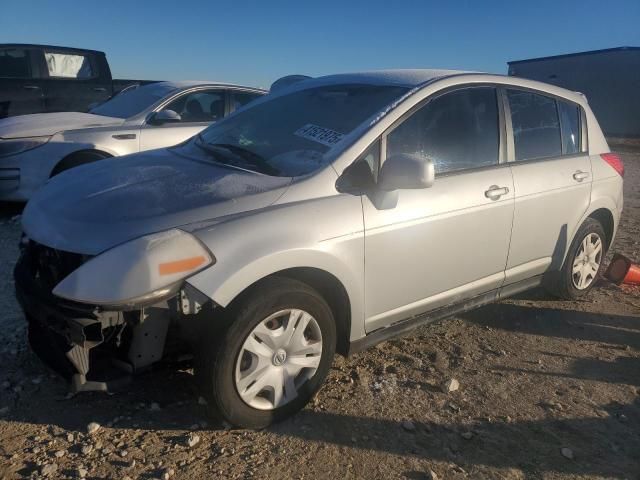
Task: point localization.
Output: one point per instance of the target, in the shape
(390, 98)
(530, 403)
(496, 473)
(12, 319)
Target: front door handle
(580, 176)
(495, 192)
(124, 136)
(31, 87)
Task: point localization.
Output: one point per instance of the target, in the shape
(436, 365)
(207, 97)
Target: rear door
(73, 80)
(551, 176)
(239, 99)
(197, 109)
(20, 83)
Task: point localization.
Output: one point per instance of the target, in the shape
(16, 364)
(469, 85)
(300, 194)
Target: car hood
(45, 124)
(92, 208)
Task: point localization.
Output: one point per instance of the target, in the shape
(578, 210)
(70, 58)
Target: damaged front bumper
(93, 347)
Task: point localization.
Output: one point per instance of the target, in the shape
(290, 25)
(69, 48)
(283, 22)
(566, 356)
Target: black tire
(215, 367)
(564, 286)
(77, 159)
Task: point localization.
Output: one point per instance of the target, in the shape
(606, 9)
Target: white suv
(327, 216)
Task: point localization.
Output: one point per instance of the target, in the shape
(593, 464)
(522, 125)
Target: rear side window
(65, 65)
(457, 131)
(239, 100)
(536, 126)
(570, 123)
(14, 63)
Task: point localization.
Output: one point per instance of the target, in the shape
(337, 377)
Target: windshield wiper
(214, 153)
(248, 156)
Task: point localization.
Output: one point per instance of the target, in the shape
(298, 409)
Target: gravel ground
(547, 389)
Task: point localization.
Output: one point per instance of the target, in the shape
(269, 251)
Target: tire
(227, 362)
(568, 284)
(77, 159)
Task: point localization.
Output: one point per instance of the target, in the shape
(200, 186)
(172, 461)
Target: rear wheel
(272, 358)
(584, 261)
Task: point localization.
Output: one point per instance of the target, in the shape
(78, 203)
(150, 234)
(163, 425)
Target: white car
(34, 148)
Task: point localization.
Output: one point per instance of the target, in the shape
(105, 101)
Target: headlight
(19, 145)
(141, 271)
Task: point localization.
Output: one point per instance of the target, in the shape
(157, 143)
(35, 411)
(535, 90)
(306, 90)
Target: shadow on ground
(606, 445)
(620, 330)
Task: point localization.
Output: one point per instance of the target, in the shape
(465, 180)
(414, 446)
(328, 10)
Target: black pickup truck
(44, 78)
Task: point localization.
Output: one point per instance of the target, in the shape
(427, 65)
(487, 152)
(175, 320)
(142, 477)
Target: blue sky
(254, 43)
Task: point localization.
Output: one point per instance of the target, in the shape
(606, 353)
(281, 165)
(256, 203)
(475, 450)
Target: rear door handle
(31, 87)
(99, 89)
(580, 176)
(495, 192)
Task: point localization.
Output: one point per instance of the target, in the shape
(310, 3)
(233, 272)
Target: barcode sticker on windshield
(322, 135)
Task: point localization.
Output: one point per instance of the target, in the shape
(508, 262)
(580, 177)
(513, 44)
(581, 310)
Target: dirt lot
(548, 389)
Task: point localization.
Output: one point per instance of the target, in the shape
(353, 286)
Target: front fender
(325, 234)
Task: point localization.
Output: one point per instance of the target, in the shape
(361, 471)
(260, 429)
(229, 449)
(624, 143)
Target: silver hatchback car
(331, 215)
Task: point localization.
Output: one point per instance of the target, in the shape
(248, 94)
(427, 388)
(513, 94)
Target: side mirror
(406, 171)
(164, 116)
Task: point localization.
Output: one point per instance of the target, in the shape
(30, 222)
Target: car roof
(407, 78)
(198, 83)
(399, 77)
(404, 77)
(54, 47)
(415, 79)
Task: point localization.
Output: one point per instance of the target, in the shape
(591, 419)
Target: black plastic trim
(405, 326)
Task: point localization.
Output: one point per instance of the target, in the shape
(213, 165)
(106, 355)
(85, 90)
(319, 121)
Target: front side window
(570, 122)
(293, 134)
(65, 65)
(14, 63)
(199, 106)
(457, 131)
(536, 126)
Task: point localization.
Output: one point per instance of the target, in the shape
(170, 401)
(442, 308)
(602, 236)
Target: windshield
(289, 135)
(132, 102)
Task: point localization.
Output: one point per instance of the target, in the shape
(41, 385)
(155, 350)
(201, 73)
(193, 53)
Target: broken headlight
(140, 271)
(19, 145)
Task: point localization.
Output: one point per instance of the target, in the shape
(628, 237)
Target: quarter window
(457, 131)
(65, 65)
(199, 106)
(14, 63)
(536, 126)
(570, 122)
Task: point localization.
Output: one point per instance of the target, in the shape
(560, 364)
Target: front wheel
(272, 358)
(76, 159)
(584, 261)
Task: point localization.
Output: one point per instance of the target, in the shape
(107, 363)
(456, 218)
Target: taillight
(615, 161)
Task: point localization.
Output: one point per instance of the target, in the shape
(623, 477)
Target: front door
(552, 180)
(428, 248)
(197, 110)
